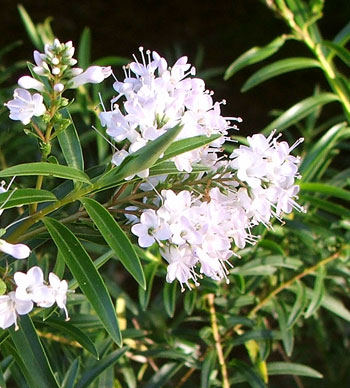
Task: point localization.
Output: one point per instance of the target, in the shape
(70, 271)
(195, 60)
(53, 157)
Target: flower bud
(94, 75)
(18, 251)
(27, 82)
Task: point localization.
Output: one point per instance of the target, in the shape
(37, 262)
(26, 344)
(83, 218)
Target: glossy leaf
(278, 68)
(72, 374)
(46, 169)
(144, 295)
(320, 151)
(324, 188)
(257, 335)
(338, 50)
(188, 144)
(115, 238)
(93, 372)
(73, 332)
(163, 375)
(249, 374)
(144, 158)
(207, 369)
(254, 55)
(318, 293)
(190, 301)
(32, 354)
(286, 331)
(25, 196)
(291, 368)
(70, 144)
(328, 206)
(84, 51)
(84, 271)
(30, 27)
(299, 111)
(299, 305)
(169, 168)
(169, 297)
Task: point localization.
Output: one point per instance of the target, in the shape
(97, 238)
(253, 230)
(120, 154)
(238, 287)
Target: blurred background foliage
(284, 319)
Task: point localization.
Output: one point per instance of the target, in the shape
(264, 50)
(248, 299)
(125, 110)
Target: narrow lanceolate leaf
(88, 278)
(290, 368)
(115, 238)
(188, 144)
(319, 152)
(254, 55)
(144, 295)
(33, 356)
(69, 330)
(46, 169)
(249, 374)
(84, 51)
(24, 197)
(163, 375)
(169, 298)
(70, 144)
(318, 293)
(71, 375)
(338, 50)
(324, 188)
(30, 28)
(144, 158)
(207, 369)
(298, 111)
(93, 372)
(277, 68)
(299, 305)
(286, 332)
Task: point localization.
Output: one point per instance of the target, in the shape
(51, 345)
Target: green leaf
(318, 292)
(338, 50)
(111, 61)
(291, 368)
(84, 52)
(33, 356)
(188, 144)
(190, 301)
(142, 159)
(115, 238)
(298, 111)
(163, 375)
(93, 372)
(277, 68)
(207, 369)
(299, 305)
(343, 35)
(30, 28)
(257, 335)
(324, 188)
(144, 295)
(70, 144)
(22, 197)
(328, 206)
(84, 271)
(170, 168)
(66, 328)
(46, 169)
(72, 374)
(254, 55)
(169, 297)
(319, 152)
(286, 332)
(250, 375)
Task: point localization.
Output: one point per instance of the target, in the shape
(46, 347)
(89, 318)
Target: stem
(288, 283)
(217, 339)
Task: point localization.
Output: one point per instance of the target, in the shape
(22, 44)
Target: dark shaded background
(219, 30)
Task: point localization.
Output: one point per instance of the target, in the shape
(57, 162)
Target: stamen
(104, 137)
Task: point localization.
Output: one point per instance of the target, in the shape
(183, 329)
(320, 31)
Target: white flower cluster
(252, 185)
(156, 98)
(56, 65)
(31, 289)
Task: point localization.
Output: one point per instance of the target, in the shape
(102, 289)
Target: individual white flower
(59, 290)
(30, 286)
(18, 251)
(93, 74)
(24, 106)
(27, 82)
(150, 229)
(10, 306)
